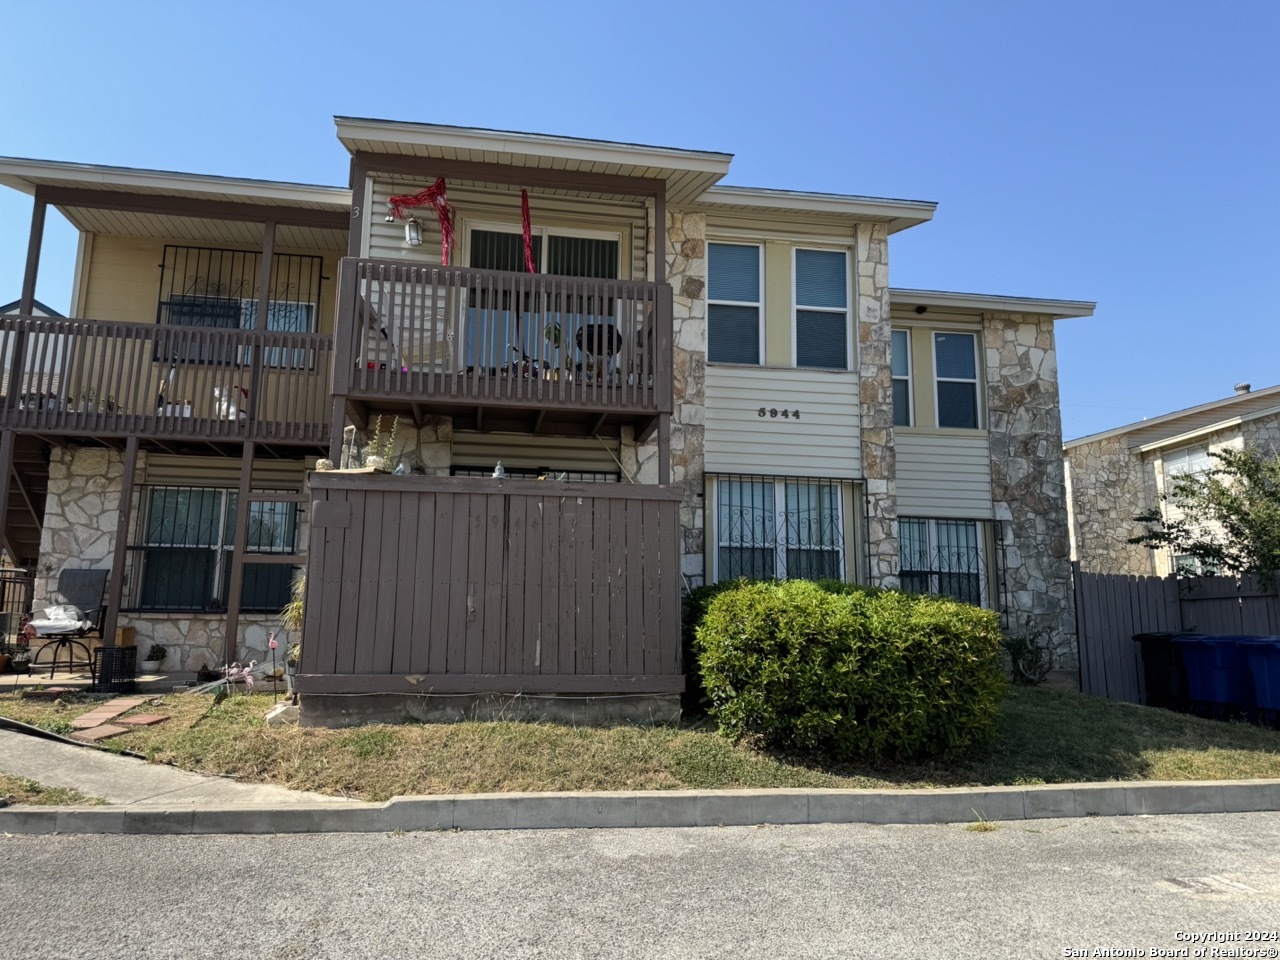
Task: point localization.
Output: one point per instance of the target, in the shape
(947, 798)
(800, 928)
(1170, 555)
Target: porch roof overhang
(571, 165)
(986, 303)
(898, 214)
(133, 202)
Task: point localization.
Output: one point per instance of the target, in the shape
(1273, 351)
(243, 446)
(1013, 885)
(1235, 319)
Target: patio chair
(76, 612)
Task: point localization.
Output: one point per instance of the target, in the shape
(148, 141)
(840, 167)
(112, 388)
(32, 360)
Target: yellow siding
(777, 304)
(823, 442)
(943, 476)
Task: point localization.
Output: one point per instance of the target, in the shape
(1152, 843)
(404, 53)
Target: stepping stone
(144, 719)
(91, 719)
(100, 733)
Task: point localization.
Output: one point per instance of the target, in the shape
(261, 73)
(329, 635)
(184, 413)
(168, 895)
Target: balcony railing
(116, 379)
(457, 336)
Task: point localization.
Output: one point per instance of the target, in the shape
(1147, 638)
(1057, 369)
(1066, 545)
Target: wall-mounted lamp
(412, 233)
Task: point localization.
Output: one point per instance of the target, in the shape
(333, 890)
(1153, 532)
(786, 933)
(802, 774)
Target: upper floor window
(1189, 461)
(822, 309)
(733, 303)
(956, 379)
(901, 378)
(566, 256)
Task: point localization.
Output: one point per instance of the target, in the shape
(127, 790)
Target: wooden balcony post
(26, 305)
(235, 591)
(256, 354)
(359, 200)
(115, 584)
(6, 471)
(660, 233)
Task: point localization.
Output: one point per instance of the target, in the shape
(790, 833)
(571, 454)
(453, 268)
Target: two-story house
(1118, 474)
(683, 382)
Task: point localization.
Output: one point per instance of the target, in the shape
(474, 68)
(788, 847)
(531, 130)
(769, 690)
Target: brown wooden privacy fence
(117, 379)
(1111, 609)
(457, 585)
(457, 334)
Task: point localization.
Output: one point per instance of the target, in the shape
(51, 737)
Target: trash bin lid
(1216, 637)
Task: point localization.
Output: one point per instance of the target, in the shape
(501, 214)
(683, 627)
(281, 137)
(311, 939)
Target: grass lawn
(1044, 737)
(22, 790)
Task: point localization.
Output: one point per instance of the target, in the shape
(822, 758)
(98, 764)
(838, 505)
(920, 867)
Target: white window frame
(779, 508)
(931, 527)
(848, 310)
(909, 378)
(760, 318)
(981, 420)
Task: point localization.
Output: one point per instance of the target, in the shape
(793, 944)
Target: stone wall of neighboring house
(1110, 485)
(1027, 477)
(82, 511)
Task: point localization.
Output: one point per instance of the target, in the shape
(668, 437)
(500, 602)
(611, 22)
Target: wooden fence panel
(1111, 609)
(479, 585)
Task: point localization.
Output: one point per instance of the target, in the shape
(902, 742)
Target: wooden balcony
(502, 350)
(111, 380)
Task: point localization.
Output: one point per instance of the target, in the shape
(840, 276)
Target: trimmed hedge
(855, 673)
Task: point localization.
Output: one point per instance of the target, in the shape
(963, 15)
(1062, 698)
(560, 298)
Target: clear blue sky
(1123, 152)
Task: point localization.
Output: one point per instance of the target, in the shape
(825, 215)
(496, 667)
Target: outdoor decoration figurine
(271, 645)
(236, 673)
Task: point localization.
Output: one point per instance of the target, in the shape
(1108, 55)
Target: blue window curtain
(733, 329)
(822, 330)
(955, 368)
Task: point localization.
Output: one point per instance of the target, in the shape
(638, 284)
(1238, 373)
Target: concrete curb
(673, 808)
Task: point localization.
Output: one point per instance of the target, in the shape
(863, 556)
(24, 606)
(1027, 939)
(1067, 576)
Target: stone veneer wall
(686, 253)
(1110, 485)
(1027, 477)
(81, 514)
(875, 384)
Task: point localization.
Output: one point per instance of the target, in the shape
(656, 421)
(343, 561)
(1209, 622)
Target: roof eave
(16, 171)
(503, 141)
(1175, 415)
(900, 214)
(1058, 309)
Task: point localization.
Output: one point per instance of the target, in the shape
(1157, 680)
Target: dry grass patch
(1044, 737)
(27, 791)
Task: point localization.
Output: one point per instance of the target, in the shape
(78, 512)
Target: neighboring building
(765, 397)
(1118, 474)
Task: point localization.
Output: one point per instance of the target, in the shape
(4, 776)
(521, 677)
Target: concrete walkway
(125, 780)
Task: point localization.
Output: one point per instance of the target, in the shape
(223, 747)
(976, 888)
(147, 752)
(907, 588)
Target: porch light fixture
(412, 233)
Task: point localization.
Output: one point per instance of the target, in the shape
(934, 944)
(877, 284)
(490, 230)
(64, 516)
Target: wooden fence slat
(566, 639)
(634, 573)
(584, 592)
(474, 564)
(441, 584)
(406, 578)
(620, 627)
(549, 651)
(458, 585)
(384, 617)
(495, 619)
(534, 566)
(602, 580)
(349, 605)
(514, 587)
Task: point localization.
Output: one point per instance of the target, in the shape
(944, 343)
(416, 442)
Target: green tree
(1228, 518)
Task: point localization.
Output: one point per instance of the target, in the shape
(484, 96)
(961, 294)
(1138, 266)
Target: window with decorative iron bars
(180, 558)
(944, 558)
(778, 528)
(219, 289)
(538, 473)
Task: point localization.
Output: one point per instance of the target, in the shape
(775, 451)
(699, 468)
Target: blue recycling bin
(1262, 657)
(1218, 681)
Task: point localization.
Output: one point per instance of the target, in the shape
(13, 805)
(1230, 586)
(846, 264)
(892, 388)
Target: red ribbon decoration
(529, 265)
(435, 196)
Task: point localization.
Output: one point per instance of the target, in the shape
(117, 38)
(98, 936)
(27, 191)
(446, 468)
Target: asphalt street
(1028, 889)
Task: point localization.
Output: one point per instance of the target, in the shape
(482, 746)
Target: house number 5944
(774, 412)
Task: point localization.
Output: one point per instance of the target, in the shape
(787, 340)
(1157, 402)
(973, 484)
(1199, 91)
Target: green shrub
(695, 603)
(850, 672)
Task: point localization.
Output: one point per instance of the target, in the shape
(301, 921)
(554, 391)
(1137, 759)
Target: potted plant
(154, 660)
(378, 453)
